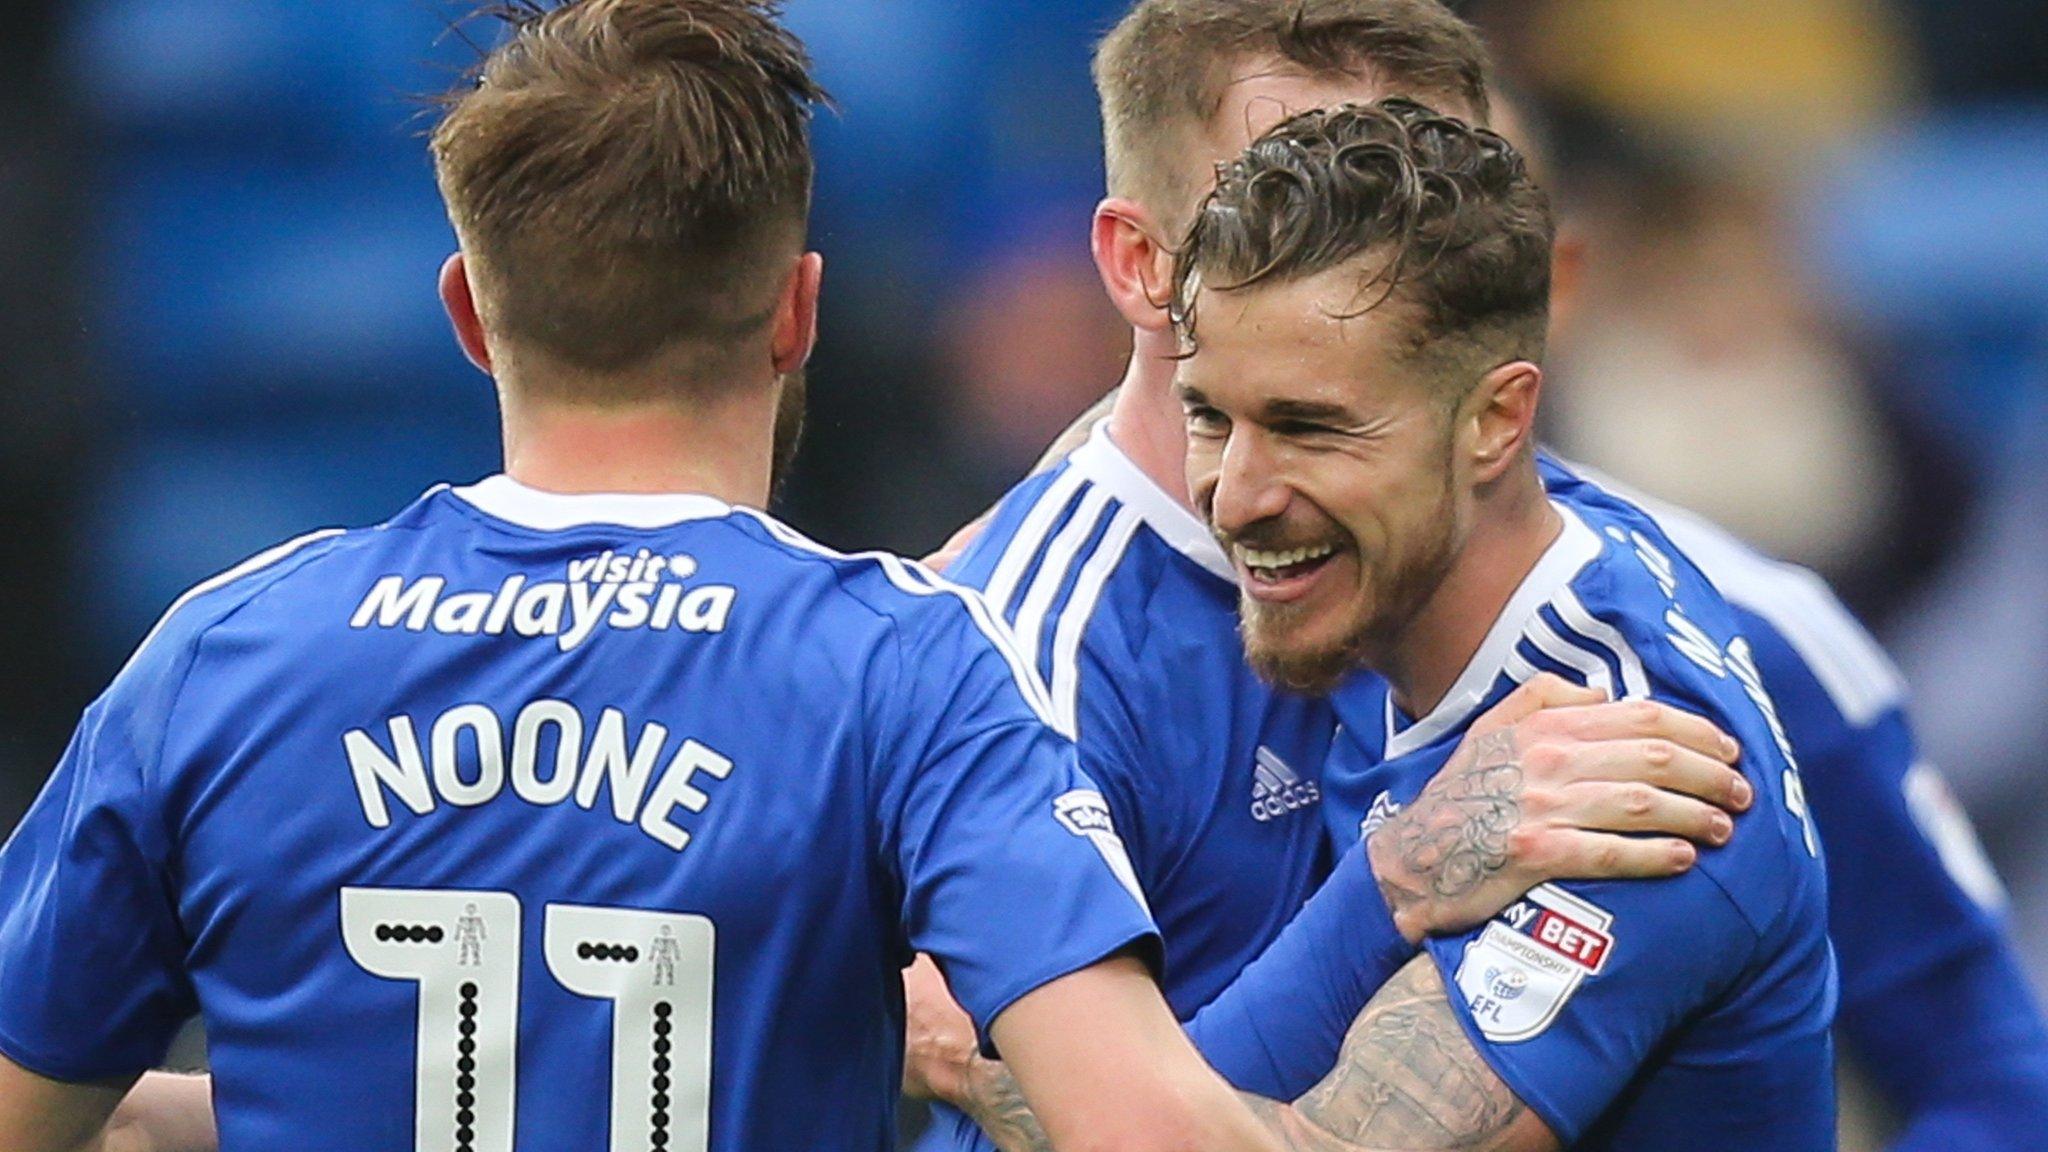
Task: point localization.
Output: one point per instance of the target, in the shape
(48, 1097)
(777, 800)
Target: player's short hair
(1162, 72)
(630, 174)
(1442, 217)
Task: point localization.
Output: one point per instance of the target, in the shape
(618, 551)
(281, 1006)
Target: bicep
(1409, 1077)
(38, 1114)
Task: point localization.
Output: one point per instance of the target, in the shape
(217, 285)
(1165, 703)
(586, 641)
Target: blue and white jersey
(538, 822)
(1691, 1013)
(1933, 999)
(1128, 608)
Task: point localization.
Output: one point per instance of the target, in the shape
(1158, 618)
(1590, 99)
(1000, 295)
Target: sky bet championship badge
(1518, 974)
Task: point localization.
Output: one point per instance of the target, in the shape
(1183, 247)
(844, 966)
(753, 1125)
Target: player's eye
(1206, 422)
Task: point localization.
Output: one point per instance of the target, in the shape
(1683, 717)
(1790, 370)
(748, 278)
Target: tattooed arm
(1535, 793)
(1407, 1079)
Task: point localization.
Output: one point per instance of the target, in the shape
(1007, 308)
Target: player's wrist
(1401, 890)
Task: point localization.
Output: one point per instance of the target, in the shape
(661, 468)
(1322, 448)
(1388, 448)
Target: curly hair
(628, 171)
(1443, 217)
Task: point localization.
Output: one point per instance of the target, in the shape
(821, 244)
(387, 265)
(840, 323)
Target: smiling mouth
(1273, 568)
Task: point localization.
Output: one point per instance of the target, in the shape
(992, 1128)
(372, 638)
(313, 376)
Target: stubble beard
(1319, 670)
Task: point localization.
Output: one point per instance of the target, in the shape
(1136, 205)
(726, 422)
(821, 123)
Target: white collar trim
(1105, 465)
(1574, 548)
(509, 500)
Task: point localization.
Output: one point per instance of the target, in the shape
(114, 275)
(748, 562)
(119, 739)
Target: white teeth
(1258, 558)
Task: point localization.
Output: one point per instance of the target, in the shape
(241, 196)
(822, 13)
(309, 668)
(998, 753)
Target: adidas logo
(1278, 789)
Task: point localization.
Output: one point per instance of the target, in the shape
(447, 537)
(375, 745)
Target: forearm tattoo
(1454, 837)
(1407, 1078)
(997, 1104)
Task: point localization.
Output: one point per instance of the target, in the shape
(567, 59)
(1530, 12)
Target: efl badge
(1086, 814)
(1517, 975)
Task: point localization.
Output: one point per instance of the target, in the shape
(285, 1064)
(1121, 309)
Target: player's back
(521, 820)
(1679, 1014)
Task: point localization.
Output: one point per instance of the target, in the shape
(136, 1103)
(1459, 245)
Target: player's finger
(1648, 719)
(1600, 806)
(1605, 856)
(1662, 764)
(1541, 691)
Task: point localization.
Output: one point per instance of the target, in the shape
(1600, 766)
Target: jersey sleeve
(1114, 753)
(1010, 865)
(91, 947)
(1277, 1029)
(1569, 992)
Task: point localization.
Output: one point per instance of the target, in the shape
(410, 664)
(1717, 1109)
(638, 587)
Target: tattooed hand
(1548, 785)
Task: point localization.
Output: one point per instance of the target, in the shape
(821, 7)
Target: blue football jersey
(1128, 607)
(1933, 999)
(1691, 1013)
(537, 822)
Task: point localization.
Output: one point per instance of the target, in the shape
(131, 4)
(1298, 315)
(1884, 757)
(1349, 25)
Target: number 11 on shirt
(462, 949)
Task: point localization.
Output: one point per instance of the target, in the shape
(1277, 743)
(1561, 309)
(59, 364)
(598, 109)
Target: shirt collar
(1108, 467)
(1575, 547)
(507, 499)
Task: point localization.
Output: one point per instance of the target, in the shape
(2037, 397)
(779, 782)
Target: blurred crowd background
(1813, 305)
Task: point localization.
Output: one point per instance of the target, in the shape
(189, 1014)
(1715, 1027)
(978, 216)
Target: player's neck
(1515, 527)
(1145, 422)
(722, 450)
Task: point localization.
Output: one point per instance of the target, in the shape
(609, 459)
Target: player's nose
(1246, 488)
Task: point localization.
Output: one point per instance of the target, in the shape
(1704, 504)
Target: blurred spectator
(1699, 369)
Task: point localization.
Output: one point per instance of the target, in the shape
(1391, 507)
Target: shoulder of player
(905, 599)
(1792, 603)
(1647, 601)
(1683, 641)
(220, 596)
(1077, 566)
(161, 663)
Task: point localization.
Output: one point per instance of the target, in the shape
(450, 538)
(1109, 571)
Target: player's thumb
(1541, 691)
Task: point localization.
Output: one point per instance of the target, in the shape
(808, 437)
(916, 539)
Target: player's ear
(1135, 262)
(796, 314)
(1503, 417)
(459, 298)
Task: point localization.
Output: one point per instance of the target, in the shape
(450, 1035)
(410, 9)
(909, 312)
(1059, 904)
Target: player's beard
(1399, 596)
(789, 428)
